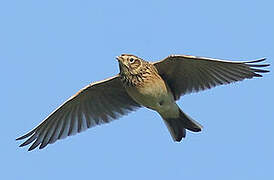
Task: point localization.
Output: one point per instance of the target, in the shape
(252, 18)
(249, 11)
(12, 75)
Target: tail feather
(189, 123)
(176, 129)
(177, 126)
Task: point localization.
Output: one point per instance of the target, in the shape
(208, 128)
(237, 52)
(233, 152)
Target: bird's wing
(97, 103)
(185, 74)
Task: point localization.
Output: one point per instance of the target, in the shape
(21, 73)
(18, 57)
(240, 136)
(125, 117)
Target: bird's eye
(131, 60)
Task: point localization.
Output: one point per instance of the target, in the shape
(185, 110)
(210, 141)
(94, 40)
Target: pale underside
(155, 94)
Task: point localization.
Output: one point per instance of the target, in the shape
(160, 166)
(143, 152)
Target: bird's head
(130, 64)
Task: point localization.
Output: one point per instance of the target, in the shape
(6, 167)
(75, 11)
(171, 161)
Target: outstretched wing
(185, 74)
(95, 104)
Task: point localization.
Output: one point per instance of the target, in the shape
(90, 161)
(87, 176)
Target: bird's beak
(118, 58)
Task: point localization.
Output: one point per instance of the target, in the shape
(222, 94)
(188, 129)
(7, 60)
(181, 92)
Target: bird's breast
(152, 93)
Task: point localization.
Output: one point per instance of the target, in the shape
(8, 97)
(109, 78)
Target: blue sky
(50, 50)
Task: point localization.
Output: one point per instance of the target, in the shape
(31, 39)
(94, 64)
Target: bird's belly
(152, 95)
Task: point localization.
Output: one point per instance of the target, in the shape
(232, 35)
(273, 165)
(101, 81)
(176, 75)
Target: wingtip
(260, 70)
(21, 145)
(26, 135)
(32, 147)
(257, 60)
(43, 145)
(24, 144)
(20, 138)
(257, 75)
(256, 67)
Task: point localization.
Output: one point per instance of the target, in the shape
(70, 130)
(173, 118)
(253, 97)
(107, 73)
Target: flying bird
(154, 85)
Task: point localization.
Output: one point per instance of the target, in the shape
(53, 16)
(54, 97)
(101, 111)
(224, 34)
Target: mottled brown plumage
(140, 83)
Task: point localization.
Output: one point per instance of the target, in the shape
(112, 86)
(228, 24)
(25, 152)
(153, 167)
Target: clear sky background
(51, 49)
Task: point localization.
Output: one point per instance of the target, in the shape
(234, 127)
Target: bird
(140, 83)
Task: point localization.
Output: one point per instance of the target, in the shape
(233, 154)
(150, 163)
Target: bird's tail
(177, 126)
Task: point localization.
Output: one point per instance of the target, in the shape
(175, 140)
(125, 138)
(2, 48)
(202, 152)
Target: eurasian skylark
(141, 84)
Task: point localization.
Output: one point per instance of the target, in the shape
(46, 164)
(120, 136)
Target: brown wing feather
(95, 104)
(187, 74)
